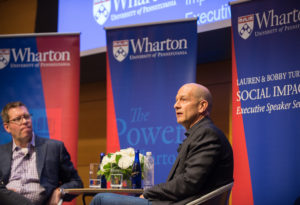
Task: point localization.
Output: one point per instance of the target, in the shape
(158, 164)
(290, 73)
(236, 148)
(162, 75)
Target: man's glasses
(18, 120)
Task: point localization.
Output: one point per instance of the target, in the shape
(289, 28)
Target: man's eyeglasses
(18, 120)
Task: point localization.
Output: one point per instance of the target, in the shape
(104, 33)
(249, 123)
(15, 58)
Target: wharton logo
(4, 58)
(101, 10)
(268, 22)
(120, 49)
(245, 26)
(26, 58)
(122, 9)
(144, 48)
(269, 19)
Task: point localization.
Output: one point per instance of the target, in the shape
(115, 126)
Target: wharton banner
(146, 66)
(266, 102)
(42, 71)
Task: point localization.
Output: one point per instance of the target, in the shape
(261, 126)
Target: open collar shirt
(24, 177)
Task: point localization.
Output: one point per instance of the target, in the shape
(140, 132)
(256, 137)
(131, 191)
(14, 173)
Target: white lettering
(254, 94)
(146, 46)
(131, 3)
(117, 2)
(286, 90)
(51, 56)
(271, 19)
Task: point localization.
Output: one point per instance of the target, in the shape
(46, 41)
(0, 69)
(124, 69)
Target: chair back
(219, 196)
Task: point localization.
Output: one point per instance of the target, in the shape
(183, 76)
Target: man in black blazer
(204, 161)
(37, 168)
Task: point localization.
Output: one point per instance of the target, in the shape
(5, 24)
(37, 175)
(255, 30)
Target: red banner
(43, 71)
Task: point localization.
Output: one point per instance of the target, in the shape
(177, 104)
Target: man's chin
(180, 121)
(27, 135)
(28, 139)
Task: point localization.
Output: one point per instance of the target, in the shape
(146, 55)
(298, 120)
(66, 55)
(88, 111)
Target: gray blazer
(204, 163)
(54, 166)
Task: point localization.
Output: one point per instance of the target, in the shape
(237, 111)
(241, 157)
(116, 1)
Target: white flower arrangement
(121, 160)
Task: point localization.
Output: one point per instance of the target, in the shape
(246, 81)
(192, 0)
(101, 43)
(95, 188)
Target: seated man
(36, 168)
(204, 162)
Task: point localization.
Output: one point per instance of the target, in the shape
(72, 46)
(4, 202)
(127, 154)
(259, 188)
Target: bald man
(204, 162)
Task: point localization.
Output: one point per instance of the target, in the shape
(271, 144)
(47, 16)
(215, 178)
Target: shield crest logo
(120, 49)
(101, 10)
(4, 58)
(245, 26)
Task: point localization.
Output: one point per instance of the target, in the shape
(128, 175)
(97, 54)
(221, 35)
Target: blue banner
(42, 71)
(17, 82)
(266, 100)
(147, 65)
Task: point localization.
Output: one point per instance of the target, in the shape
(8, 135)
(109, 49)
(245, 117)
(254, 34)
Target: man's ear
(6, 127)
(203, 106)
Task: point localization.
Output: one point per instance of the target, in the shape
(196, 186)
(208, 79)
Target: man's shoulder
(5, 146)
(206, 125)
(42, 140)
(206, 128)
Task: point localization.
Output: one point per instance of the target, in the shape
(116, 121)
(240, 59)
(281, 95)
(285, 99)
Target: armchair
(219, 196)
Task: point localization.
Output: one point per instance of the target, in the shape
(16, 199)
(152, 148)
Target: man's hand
(142, 196)
(56, 195)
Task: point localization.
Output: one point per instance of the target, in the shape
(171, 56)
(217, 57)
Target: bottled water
(149, 171)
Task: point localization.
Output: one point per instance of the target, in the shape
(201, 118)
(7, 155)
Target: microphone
(26, 153)
(27, 156)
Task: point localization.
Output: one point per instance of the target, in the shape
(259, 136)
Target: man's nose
(176, 105)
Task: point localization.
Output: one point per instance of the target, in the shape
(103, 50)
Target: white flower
(106, 160)
(111, 159)
(125, 159)
(127, 152)
(125, 162)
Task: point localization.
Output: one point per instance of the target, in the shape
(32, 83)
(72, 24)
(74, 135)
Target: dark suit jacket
(204, 163)
(54, 166)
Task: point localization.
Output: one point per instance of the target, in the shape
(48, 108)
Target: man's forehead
(183, 93)
(17, 109)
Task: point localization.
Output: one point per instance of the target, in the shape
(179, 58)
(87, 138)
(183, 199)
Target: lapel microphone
(26, 153)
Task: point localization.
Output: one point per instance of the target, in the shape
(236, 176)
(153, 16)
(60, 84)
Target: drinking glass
(95, 179)
(116, 179)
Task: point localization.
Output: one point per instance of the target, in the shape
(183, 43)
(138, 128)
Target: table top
(103, 190)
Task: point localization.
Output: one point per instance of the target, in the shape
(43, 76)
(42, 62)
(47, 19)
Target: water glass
(116, 179)
(95, 179)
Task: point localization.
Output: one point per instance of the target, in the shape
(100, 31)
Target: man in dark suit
(204, 161)
(37, 168)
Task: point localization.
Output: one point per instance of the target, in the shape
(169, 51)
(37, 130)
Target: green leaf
(118, 157)
(107, 166)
